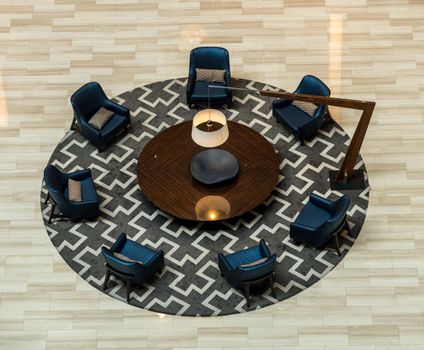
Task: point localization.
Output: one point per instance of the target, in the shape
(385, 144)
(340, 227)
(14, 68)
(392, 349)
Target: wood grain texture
(367, 49)
(164, 175)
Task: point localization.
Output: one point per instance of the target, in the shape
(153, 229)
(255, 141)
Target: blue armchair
(243, 277)
(197, 91)
(296, 120)
(148, 262)
(57, 187)
(321, 221)
(86, 101)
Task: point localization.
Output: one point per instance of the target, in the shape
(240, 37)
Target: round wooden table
(164, 175)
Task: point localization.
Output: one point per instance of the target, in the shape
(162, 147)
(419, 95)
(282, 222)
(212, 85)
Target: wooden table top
(164, 175)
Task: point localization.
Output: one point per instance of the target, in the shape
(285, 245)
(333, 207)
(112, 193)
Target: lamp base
(355, 182)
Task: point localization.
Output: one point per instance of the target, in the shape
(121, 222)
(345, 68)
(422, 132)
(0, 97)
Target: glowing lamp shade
(212, 208)
(210, 128)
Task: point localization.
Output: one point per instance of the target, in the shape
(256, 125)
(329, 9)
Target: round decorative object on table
(214, 166)
(165, 178)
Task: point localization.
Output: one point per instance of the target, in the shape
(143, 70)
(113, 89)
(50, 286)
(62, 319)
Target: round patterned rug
(191, 283)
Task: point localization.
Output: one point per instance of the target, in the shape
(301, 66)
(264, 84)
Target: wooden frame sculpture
(346, 178)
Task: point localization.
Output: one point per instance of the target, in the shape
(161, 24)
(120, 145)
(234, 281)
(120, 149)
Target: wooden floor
(373, 300)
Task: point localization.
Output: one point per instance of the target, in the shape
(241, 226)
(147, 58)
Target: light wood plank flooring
(374, 300)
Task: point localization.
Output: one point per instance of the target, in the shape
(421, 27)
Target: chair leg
(52, 213)
(106, 278)
(327, 118)
(47, 198)
(247, 295)
(348, 229)
(129, 287)
(271, 281)
(74, 123)
(336, 240)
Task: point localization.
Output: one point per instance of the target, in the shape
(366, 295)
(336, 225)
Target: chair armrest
(89, 129)
(116, 108)
(222, 261)
(191, 80)
(264, 248)
(320, 111)
(119, 242)
(80, 175)
(227, 78)
(157, 262)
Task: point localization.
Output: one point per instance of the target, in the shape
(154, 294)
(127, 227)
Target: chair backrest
(56, 182)
(311, 85)
(87, 100)
(209, 58)
(338, 214)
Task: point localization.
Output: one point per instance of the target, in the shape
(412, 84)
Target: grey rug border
(235, 312)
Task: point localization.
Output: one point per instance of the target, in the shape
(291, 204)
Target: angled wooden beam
(367, 107)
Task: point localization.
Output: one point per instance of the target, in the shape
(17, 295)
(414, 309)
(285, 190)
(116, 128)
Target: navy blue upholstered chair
(57, 187)
(321, 221)
(149, 262)
(197, 91)
(86, 101)
(296, 120)
(242, 277)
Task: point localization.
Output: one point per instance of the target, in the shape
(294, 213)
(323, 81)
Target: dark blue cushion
(292, 116)
(201, 90)
(88, 190)
(313, 216)
(117, 122)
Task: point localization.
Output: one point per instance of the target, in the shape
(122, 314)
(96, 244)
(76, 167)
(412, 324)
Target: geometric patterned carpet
(191, 283)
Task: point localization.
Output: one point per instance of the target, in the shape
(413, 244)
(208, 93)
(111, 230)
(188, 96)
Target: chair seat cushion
(200, 91)
(137, 252)
(244, 257)
(312, 216)
(88, 190)
(100, 118)
(118, 122)
(292, 116)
